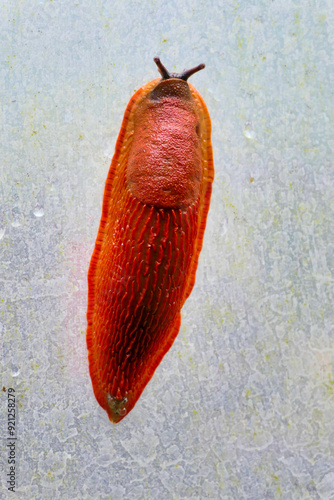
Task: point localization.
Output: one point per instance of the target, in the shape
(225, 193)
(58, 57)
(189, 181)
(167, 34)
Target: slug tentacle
(165, 74)
(162, 70)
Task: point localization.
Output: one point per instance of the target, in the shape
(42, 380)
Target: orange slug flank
(155, 206)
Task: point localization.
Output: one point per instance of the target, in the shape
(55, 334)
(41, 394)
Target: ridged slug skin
(142, 270)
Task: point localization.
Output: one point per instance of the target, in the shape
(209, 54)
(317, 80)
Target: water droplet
(15, 371)
(38, 210)
(248, 131)
(224, 225)
(2, 232)
(16, 217)
(122, 411)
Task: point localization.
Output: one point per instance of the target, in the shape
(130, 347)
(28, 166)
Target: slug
(155, 205)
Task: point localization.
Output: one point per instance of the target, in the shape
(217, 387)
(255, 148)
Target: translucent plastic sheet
(242, 405)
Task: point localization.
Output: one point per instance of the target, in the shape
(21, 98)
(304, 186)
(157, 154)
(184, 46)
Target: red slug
(155, 205)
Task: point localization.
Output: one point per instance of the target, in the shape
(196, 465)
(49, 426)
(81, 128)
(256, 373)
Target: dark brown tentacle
(165, 74)
(188, 72)
(162, 70)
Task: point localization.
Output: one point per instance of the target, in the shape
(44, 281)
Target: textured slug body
(155, 205)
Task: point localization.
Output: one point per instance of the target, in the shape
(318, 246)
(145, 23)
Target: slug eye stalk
(165, 74)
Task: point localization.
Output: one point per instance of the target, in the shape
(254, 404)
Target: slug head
(173, 84)
(164, 164)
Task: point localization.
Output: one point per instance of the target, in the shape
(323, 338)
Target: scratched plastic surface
(242, 405)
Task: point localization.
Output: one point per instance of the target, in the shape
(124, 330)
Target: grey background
(242, 405)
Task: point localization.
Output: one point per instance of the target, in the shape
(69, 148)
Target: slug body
(155, 206)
